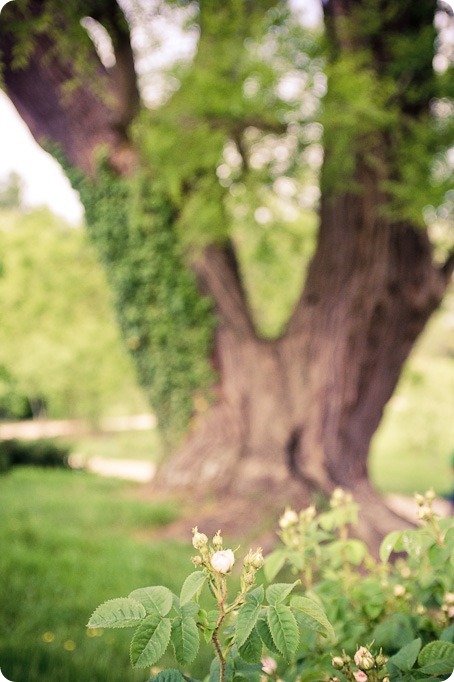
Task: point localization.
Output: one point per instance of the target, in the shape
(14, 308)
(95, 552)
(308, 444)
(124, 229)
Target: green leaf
(406, 657)
(389, 543)
(257, 595)
(263, 629)
(117, 613)
(246, 620)
(437, 658)
(214, 670)
(191, 586)
(251, 650)
(284, 629)
(169, 675)
(274, 562)
(279, 591)
(393, 632)
(447, 635)
(314, 611)
(185, 638)
(156, 599)
(150, 641)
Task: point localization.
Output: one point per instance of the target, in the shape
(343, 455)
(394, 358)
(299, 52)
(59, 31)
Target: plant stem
(217, 647)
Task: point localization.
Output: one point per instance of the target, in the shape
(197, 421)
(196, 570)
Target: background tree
(179, 186)
(60, 352)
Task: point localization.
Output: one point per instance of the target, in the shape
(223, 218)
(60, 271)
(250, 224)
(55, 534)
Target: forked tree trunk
(302, 409)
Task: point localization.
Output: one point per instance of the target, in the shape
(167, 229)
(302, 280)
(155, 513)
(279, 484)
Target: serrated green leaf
(284, 629)
(214, 670)
(279, 591)
(406, 657)
(191, 586)
(274, 562)
(388, 545)
(251, 650)
(169, 675)
(150, 641)
(245, 621)
(257, 595)
(313, 611)
(265, 635)
(440, 668)
(117, 613)
(437, 653)
(185, 639)
(156, 599)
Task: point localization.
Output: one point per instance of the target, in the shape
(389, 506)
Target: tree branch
(218, 274)
(447, 268)
(80, 119)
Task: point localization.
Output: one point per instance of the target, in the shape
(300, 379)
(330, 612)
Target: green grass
(144, 445)
(413, 447)
(70, 541)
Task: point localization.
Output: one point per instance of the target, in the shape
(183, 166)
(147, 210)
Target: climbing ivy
(165, 322)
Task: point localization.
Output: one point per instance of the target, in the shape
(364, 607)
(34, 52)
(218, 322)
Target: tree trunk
(297, 414)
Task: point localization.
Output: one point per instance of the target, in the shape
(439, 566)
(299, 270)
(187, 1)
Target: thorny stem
(217, 647)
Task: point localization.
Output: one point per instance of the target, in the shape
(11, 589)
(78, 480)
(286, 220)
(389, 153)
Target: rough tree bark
(295, 414)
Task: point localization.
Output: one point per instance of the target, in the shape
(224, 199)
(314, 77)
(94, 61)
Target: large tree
(168, 191)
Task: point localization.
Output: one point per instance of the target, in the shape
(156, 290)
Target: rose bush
(346, 617)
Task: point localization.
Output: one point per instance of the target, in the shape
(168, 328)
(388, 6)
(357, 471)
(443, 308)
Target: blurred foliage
(59, 347)
(235, 154)
(43, 453)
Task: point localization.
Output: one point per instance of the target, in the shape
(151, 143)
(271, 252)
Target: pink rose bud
(223, 560)
(360, 676)
(269, 665)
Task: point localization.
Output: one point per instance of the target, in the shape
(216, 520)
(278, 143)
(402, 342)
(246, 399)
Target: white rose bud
(217, 540)
(223, 560)
(420, 501)
(430, 495)
(364, 659)
(337, 662)
(256, 559)
(289, 518)
(449, 598)
(199, 540)
(197, 560)
(399, 590)
(269, 665)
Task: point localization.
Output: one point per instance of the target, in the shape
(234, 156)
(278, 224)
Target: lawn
(71, 540)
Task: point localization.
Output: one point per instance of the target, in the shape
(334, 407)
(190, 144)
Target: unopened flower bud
(430, 495)
(308, 514)
(380, 659)
(420, 500)
(449, 598)
(337, 662)
(399, 590)
(223, 560)
(385, 679)
(197, 560)
(269, 665)
(199, 540)
(364, 659)
(360, 676)
(217, 540)
(289, 518)
(424, 513)
(421, 609)
(337, 497)
(257, 559)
